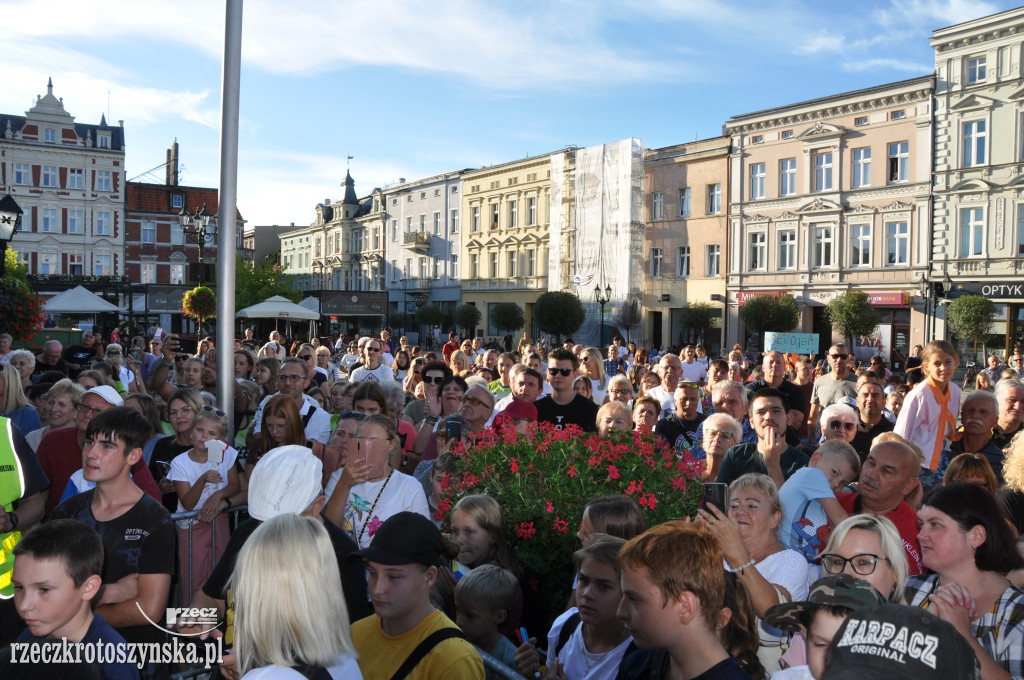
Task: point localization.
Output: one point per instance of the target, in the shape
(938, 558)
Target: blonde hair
(888, 537)
(13, 397)
(1013, 464)
(277, 626)
(66, 388)
(595, 354)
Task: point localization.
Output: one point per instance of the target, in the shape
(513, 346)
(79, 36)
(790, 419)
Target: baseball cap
(107, 394)
(285, 480)
(838, 590)
(404, 538)
(518, 409)
(899, 642)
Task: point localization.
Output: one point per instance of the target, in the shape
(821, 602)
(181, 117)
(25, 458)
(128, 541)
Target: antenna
(348, 163)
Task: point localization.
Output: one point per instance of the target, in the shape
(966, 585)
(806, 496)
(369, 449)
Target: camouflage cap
(836, 590)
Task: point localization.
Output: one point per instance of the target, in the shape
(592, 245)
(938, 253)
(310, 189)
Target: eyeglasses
(291, 378)
(83, 409)
(560, 371)
(305, 357)
(841, 425)
(373, 349)
(719, 434)
(473, 401)
(838, 356)
(436, 380)
(114, 353)
(622, 391)
(217, 411)
(863, 564)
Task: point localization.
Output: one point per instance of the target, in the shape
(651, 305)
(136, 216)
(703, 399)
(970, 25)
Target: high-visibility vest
(12, 487)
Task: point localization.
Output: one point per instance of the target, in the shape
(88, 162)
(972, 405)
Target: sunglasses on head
(560, 371)
(841, 425)
(217, 411)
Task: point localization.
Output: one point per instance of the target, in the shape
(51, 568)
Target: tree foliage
(851, 315)
(970, 318)
(699, 316)
(767, 313)
(467, 317)
(21, 309)
(508, 316)
(429, 315)
(254, 284)
(628, 316)
(558, 313)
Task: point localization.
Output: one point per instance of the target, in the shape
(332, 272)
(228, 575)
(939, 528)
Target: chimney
(172, 165)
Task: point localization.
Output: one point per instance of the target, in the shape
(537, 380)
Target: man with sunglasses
(373, 369)
(870, 422)
(292, 381)
(564, 407)
(832, 387)
(434, 373)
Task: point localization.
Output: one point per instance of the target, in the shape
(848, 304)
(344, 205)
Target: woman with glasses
(25, 362)
(721, 432)
(969, 547)
(323, 364)
(126, 370)
(182, 408)
(620, 389)
(433, 374)
(307, 353)
(838, 421)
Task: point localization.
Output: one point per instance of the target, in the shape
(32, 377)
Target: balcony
(418, 241)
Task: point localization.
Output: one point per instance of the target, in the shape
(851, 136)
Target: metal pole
(227, 209)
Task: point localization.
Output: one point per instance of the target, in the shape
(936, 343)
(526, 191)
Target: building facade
(69, 179)
(832, 195)
(685, 240)
(978, 218)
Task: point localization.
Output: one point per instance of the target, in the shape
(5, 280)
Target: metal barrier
(192, 514)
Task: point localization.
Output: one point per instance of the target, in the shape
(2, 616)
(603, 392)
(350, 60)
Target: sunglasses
(841, 425)
(305, 357)
(566, 372)
(436, 380)
(473, 401)
(838, 356)
(216, 411)
(689, 384)
(373, 349)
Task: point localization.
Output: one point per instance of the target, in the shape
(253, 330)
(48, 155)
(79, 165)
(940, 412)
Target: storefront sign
(994, 290)
(879, 343)
(897, 299)
(791, 343)
(744, 295)
(348, 303)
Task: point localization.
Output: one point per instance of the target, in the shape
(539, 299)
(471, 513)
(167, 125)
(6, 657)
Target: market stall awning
(78, 300)
(278, 307)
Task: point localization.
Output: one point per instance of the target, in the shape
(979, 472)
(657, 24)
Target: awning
(78, 300)
(278, 307)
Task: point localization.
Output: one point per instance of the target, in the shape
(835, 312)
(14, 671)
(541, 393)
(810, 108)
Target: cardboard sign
(791, 343)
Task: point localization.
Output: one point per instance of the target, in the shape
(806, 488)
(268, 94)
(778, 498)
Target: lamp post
(10, 218)
(601, 302)
(194, 226)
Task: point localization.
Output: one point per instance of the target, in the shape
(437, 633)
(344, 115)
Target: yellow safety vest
(12, 487)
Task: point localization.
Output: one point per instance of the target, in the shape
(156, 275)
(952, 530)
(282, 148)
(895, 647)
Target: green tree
(429, 315)
(508, 316)
(558, 313)
(852, 316)
(970, 318)
(396, 320)
(467, 317)
(698, 316)
(770, 313)
(255, 283)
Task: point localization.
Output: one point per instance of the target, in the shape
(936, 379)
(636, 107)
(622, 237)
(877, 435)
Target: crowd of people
(852, 497)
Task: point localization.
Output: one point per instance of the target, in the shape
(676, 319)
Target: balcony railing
(416, 240)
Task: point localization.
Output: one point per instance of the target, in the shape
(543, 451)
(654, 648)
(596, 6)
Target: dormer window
(50, 136)
(103, 140)
(177, 201)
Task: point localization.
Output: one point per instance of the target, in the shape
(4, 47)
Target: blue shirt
(99, 633)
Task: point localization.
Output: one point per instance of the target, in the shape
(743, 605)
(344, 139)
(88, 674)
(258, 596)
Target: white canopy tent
(278, 307)
(78, 300)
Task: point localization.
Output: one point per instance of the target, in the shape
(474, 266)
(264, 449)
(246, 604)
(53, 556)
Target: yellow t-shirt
(380, 655)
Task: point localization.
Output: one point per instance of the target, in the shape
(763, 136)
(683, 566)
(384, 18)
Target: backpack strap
(570, 626)
(424, 648)
(312, 672)
(309, 416)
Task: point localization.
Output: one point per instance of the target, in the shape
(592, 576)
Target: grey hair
(833, 410)
(989, 397)
(1005, 384)
(724, 421)
(723, 385)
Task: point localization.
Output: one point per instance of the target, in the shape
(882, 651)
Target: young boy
(828, 603)
(809, 505)
(673, 586)
(401, 563)
(483, 598)
(56, 576)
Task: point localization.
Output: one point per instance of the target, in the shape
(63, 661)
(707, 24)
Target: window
(177, 273)
(757, 250)
(453, 219)
(822, 253)
(897, 115)
(510, 269)
(1020, 229)
(714, 199)
(494, 265)
(860, 245)
(453, 272)
(356, 241)
(177, 201)
(101, 265)
(394, 271)
(756, 181)
(787, 134)
(436, 262)
(437, 192)
(76, 222)
(897, 243)
(102, 224)
(531, 211)
(22, 174)
(976, 70)
(787, 249)
(148, 231)
(714, 257)
(860, 120)
(974, 143)
(103, 180)
(103, 140)
(787, 177)
(49, 175)
(531, 262)
(148, 270)
(318, 246)
(823, 171)
(972, 232)
(394, 230)
(48, 263)
(376, 238)
(177, 236)
(657, 206)
(408, 225)
(513, 214)
(494, 215)
(75, 178)
(75, 267)
(424, 274)
(862, 167)
(474, 266)
(408, 268)
(50, 136)
(683, 261)
(655, 263)
(475, 218)
(684, 202)
(50, 225)
(437, 224)
(899, 161)
(423, 223)
(757, 139)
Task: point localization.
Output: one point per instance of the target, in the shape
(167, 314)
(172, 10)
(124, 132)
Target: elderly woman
(64, 397)
(25, 362)
(969, 549)
(748, 539)
(620, 389)
(838, 421)
(646, 411)
(613, 416)
(13, 403)
(721, 432)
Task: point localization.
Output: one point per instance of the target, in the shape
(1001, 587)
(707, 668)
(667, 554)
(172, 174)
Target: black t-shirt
(680, 434)
(862, 440)
(580, 411)
(793, 393)
(1012, 503)
(81, 355)
(164, 451)
(744, 458)
(42, 369)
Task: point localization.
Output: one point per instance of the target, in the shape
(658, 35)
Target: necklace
(369, 514)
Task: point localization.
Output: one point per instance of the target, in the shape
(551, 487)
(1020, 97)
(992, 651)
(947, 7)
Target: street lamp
(10, 218)
(601, 302)
(194, 226)
(923, 285)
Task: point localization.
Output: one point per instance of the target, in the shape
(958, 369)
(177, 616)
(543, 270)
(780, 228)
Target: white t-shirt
(184, 469)
(788, 569)
(403, 493)
(598, 395)
(125, 376)
(667, 399)
(318, 428)
(344, 668)
(694, 372)
(577, 661)
(379, 374)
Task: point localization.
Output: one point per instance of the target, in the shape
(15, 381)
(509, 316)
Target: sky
(414, 88)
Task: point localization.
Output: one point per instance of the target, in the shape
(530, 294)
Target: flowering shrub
(543, 480)
(20, 309)
(199, 303)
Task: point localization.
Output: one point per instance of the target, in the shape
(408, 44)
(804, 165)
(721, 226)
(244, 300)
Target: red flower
(679, 484)
(561, 525)
(572, 471)
(526, 531)
(635, 487)
(514, 465)
(550, 508)
(613, 472)
(593, 461)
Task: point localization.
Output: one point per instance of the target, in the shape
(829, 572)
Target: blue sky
(413, 88)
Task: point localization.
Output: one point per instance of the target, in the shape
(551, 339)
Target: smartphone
(135, 350)
(716, 495)
(453, 430)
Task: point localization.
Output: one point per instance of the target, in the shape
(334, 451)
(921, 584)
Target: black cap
(404, 538)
